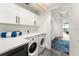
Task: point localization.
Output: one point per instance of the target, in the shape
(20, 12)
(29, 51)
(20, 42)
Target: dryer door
(42, 41)
(33, 47)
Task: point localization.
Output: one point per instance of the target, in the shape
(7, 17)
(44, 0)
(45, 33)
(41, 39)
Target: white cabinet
(8, 13)
(12, 13)
(26, 17)
(36, 18)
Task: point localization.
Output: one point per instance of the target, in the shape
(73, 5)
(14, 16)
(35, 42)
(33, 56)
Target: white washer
(41, 42)
(33, 46)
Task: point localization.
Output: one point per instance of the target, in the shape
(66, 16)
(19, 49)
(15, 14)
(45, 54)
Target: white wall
(45, 26)
(57, 24)
(58, 27)
(9, 27)
(74, 30)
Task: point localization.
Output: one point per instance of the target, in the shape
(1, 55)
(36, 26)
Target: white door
(36, 18)
(26, 16)
(8, 13)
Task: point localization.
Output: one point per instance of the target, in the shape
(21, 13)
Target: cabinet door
(36, 18)
(8, 13)
(26, 17)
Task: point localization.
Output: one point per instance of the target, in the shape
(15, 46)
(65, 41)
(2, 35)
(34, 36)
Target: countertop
(7, 44)
(11, 43)
(30, 35)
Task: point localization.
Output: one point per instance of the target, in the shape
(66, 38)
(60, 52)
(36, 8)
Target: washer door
(42, 41)
(33, 47)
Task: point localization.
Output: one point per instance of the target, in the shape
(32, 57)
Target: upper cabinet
(12, 13)
(27, 17)
(36, 19)
(8, 13)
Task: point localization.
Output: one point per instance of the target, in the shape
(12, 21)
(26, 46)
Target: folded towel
(14, 34)
(10, 34)
(3, 34)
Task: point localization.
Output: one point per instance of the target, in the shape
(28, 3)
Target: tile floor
(46, 52)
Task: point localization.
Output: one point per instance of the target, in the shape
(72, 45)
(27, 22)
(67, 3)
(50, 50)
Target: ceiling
(48, 6)
(62, 13)
(38, 7)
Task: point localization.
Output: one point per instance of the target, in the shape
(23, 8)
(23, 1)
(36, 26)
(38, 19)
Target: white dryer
(41, 42)
(33, 46)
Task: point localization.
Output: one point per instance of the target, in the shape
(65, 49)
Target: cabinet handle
(16, 19)
(19, 19)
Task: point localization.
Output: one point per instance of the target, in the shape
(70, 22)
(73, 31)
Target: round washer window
(42, 41)
(33, 47)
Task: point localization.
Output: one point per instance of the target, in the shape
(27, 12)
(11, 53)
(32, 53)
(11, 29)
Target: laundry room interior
(38, 29)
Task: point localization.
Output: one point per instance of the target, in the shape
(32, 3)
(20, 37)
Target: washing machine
(33, 46)
(41, 42)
